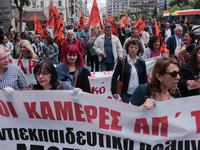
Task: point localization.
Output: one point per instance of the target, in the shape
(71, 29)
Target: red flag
(121, 23)
(112, 22)
(58, 23)
(94, 15)
(140, 25)
(157, 28)
(186, 19)
(38, 26)
(82, 21)
(104, 21)
(126, 19)
(51, 17)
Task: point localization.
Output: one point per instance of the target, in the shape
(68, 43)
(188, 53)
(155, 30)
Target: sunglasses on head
(173, 74)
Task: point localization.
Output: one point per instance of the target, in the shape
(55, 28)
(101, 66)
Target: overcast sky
(100, 3)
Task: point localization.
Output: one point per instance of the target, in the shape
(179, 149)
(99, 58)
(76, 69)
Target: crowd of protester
(175, 73)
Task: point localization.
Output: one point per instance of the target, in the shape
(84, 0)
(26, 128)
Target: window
(33, 4)
(59, 3)
(41, 4)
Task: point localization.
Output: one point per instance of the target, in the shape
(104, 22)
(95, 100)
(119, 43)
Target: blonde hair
(29, 47)
(100, 32)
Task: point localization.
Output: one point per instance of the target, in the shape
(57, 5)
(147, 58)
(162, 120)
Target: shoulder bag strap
(123, 69)
(75, 81)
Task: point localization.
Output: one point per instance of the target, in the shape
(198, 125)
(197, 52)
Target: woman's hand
(149, 103)
(115, 96)
(192, 83)
(158, 57)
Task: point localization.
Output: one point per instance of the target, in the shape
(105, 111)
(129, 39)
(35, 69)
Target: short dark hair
(146, 28)
(153, 39)
(47, 65)
(134, 42)
(108, 26)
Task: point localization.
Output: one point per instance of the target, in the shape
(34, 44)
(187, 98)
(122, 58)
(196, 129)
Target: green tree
(154, 12)
(178, 3)
(160, 16)
(196, 4)
(174, 8)
(115, 17)
(186, 7)
(165, 5)
(20, 4)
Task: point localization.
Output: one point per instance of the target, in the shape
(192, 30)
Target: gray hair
(70, 31)
(177, 28)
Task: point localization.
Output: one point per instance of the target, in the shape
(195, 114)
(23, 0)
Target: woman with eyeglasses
(46, 77)
(189, 84)
(162, 87)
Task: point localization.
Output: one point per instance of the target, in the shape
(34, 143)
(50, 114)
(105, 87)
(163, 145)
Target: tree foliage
(186, 7)
(155, 12)
(165, 5)
(20, 4)
(178, 3)
(174, 8)
(196, 4)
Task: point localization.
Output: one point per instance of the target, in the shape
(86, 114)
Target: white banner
(59, 120)
(99, 81)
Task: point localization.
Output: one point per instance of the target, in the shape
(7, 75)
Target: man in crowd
(83, 37)
(134, 35)
(184, 26)
(172, 27)
(166, 32)
(174, 40)
(27, 37)
(109, 49)
(121, 33)
(71, 40)
(80, 28)
(11, 75)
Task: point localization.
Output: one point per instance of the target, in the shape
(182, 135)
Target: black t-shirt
(190, 47)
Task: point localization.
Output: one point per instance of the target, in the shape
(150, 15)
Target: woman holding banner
(26, 50)
(153, 51)
(73, 69)
(163, 84)
(190, 74)
(134, 71)
(46, 77)
(38, 45)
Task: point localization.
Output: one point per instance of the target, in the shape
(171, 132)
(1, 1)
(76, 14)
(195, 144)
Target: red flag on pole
(157, 28)
(121, 23)
(58, 23)
(126, 19)
(112, 22)
(82, 21)
(51, 17)
(186, 19)
(38, 26)
(140, 25)
(94, 15)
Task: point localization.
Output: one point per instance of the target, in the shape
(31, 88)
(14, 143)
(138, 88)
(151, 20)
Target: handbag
(120, 83)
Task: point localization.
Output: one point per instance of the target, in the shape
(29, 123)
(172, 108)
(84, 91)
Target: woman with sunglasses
(16, 51)
(163, 85)
(190, 74)
(46, 77)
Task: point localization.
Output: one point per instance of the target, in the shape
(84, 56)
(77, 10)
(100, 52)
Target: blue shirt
(13, 77)
(84, 35)
(108, 50)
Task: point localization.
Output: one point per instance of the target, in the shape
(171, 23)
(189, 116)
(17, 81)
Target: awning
(41, 16)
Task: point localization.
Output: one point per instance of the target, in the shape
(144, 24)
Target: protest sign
(61, 120)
